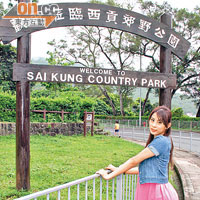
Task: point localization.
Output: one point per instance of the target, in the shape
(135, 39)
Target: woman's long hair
(164, 114)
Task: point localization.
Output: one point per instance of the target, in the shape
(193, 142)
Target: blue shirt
(155, 169)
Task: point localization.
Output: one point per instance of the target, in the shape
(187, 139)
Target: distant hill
(186, 104)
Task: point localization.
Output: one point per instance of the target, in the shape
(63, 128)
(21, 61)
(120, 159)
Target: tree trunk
(145, 101)
(198, 112)
(103, 90)
(121, 102)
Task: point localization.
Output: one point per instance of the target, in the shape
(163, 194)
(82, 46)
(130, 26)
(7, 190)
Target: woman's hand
(103, 173)
(111, 167)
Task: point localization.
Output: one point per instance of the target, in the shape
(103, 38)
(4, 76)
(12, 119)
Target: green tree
(119, 49)
(136, 107)
(3, 11)
(187, 24)
(193, 92)
(56, 59)
(177, 112)
(7, 57)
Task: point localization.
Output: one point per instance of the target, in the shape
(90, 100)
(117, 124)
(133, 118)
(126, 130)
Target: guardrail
(122, 187)
(186, 140)
(180, 125)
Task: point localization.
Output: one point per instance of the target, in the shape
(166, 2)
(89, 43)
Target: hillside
(186, 104)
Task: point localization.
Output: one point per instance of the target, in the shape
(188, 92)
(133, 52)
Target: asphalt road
(189, 141)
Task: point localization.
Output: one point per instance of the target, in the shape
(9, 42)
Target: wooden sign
(89, 117)
(88, 121)
(98, 76)
(16, 24)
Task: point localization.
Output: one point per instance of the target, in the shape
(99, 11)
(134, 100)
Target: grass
(60, 159)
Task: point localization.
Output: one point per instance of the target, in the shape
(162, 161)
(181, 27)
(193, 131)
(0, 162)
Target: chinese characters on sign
(159, 32)
(75, 14)
(173, 41)
(128, 20)
(144, 25)
(72, 14)
(19, 23)
(94, 14)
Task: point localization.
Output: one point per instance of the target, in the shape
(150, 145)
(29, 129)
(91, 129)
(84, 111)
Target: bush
(7, 107)
(72, 103)
(101, 108)
(177, 112)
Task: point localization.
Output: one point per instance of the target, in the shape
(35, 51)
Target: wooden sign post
(89, 121)
(165, 66)
(23, 118)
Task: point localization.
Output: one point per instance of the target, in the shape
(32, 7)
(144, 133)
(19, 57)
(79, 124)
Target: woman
(153, 161)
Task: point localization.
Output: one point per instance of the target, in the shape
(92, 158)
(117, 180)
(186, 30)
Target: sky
(40, 39)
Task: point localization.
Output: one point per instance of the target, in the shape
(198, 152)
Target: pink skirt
(155, 191)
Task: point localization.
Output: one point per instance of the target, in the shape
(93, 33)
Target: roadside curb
(177, 170)
(188, 168)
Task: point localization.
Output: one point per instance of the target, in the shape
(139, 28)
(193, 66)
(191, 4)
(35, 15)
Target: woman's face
(156, 126)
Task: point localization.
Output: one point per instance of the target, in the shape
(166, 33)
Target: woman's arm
(134, 170)
(130, 163)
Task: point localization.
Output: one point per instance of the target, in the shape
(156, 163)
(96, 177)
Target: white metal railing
(186, 140)
(179, 125)
(122, 187)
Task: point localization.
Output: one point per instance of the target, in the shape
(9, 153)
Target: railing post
(179, 139)
(85, 123)
(62, 115)
(44, 114)
(119, 188)
(92, 125)
(133, 132)
(101, 188)
(190, 141)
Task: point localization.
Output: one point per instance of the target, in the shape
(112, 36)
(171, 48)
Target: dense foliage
(75, 102)
(7, 107)
(8, 56)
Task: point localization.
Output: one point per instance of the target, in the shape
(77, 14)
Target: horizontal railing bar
(51, 111)
(60, 187)
(186, 137)
(174, 136)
